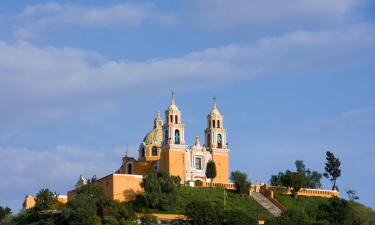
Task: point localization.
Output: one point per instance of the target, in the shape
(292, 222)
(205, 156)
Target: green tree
(332, 168)
(45, 199)
(4, 212)
(241, 182)
(87, 207)
(203, 213)
(291, 217)
(235, 217)
(352, 195)
(338, 212)
(302, 176)
(211, 170)
(160, 189)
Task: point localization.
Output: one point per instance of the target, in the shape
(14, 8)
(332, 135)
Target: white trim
(127, 175)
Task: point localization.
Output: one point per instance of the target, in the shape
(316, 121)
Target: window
(154, 151)
(219, 141)
(208, 140)
(171, 119)
(177, 137)
(198, 163)
(143, 152)
(166, 137)
(218, 124)
(176, 119)
(129, 168)
(213, 123)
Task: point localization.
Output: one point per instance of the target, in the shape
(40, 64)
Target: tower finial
(158, 117)
(197, 141)
(172, 101)
(214, 106)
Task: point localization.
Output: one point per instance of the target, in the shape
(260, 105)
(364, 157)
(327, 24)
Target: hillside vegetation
(193, 194)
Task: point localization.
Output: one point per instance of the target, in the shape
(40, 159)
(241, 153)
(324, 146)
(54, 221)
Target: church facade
(164, 148)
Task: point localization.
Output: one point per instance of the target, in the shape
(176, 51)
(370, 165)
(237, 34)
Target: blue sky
(81, 81)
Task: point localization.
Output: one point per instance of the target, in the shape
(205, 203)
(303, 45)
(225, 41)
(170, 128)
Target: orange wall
(30, 202)
(126, 186)
(174, 162)
(222, 167)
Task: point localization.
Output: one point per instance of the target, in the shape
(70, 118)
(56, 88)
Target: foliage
(338, 212)
(302, 178)
(176, 180)
(45, 199)
(148, 220)
(4, 212)
(233, 217)
(352, 195)
(241, 182)
(328, 211)
(332, 168)
(160, 189)
(203, 213)
(207, 212)
(313, 177)
(89, 206)
(211, 170)
(291, 217)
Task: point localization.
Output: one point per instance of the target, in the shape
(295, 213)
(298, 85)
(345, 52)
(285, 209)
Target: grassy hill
(233, 201)
(310, 206)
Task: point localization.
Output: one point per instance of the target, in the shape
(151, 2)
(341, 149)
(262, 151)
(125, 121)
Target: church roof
(154, 136)
(215, 110)
(173, 105)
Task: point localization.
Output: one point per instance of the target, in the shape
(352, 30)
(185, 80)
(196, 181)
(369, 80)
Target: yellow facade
(29, 202)
(222, 167)
(121, 187)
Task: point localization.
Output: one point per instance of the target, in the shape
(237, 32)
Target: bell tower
(216, 143)
(173, 145)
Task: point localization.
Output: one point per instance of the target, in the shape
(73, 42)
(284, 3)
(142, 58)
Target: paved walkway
(266, 203)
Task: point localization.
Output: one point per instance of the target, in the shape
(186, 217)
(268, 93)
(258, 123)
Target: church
(164, 148)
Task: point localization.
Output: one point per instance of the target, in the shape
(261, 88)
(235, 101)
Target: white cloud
(52, 81)
(229, 13)
(37, 18)
(25, 171)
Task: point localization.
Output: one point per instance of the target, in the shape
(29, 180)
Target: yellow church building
(164, 148)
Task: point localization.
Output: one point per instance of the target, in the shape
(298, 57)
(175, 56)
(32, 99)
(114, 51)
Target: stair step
(266, 203)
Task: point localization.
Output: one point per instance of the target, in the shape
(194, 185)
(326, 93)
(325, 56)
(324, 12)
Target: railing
(228, 186)
(302, 192)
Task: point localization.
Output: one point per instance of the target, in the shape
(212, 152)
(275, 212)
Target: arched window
(143, 153)
(154, 151)
(198, 163)
(166, 137)
(218, 124)
(176, 119)
(129, 168)
(177, 137)
(213, 123)
(171, 119)
(219, 141)
(208, 140)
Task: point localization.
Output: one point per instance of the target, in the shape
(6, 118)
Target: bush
(160, 189)
(203, 213)
(241, 182)
(238, 218)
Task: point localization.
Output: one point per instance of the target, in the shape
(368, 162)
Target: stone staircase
(266, 203)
